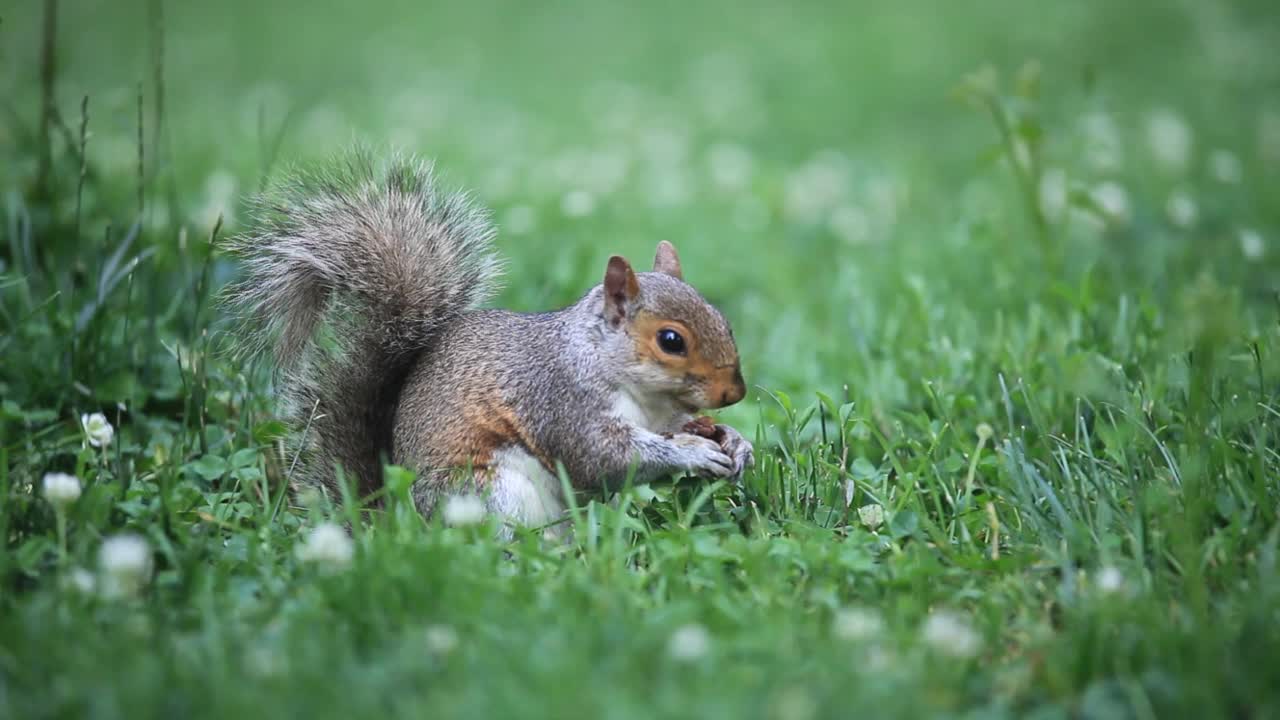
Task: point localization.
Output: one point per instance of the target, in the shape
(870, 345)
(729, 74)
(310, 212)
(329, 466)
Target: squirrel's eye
(670, 342)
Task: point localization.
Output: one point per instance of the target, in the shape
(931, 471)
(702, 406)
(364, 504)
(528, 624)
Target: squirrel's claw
(703, 457)
(738, 448)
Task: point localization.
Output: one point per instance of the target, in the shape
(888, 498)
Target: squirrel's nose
(735, 391)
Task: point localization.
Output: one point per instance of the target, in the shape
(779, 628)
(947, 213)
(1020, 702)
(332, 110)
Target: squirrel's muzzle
(727, 389)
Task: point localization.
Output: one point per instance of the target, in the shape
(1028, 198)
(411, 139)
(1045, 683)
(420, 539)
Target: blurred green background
(800, 156)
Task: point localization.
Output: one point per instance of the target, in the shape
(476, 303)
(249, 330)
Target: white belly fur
(652, 414)
(524, 492)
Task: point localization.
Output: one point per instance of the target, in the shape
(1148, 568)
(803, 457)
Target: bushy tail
(348, 277)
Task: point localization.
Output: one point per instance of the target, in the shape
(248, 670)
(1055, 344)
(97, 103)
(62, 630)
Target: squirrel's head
(680, 344)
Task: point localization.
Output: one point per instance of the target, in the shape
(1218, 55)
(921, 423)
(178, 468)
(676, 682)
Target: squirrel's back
(350, 275)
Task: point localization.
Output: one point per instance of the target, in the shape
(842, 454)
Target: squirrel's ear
(667, 261)
(620, 288)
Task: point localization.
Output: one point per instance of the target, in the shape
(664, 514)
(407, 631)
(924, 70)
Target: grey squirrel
(364, 280)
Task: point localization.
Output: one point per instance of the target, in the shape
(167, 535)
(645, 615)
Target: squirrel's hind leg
(523, 492)
(518, 490)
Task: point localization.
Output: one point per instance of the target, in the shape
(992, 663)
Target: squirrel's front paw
(702, 456)
(737, 447)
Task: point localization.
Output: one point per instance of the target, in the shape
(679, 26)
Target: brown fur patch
(490, 426)
(722, 384)
(644, 331)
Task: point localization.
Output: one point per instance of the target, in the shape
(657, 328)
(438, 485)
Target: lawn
(1004, 279)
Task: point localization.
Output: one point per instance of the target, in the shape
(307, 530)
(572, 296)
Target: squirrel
(364, 282)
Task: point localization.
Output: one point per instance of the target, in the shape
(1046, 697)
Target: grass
(1015, 406)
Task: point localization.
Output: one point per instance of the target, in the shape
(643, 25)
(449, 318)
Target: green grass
(898, 288)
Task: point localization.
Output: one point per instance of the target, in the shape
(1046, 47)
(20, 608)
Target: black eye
(670, 342)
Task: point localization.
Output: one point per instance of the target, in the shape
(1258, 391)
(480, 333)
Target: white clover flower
(80, 581)
(795, 704)
(871, 516)
(1169, 139)
(688, 643)
(816, 186)
(856, 623)
(1053, 193)
(263, 661)
(98, 429)
(877, 658)
(520, 220)
(1110, 580)
(1113, 199)
(440, 639)
(1181, 208)
(61, 489)
(1225, 166)
(1103, 148)
(327, 545)
(463, 510)
(985, 431)
(1087, 220)
(949, 633)
(578, 203)
(1251, 244)
(125, 562)
(851, 224)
